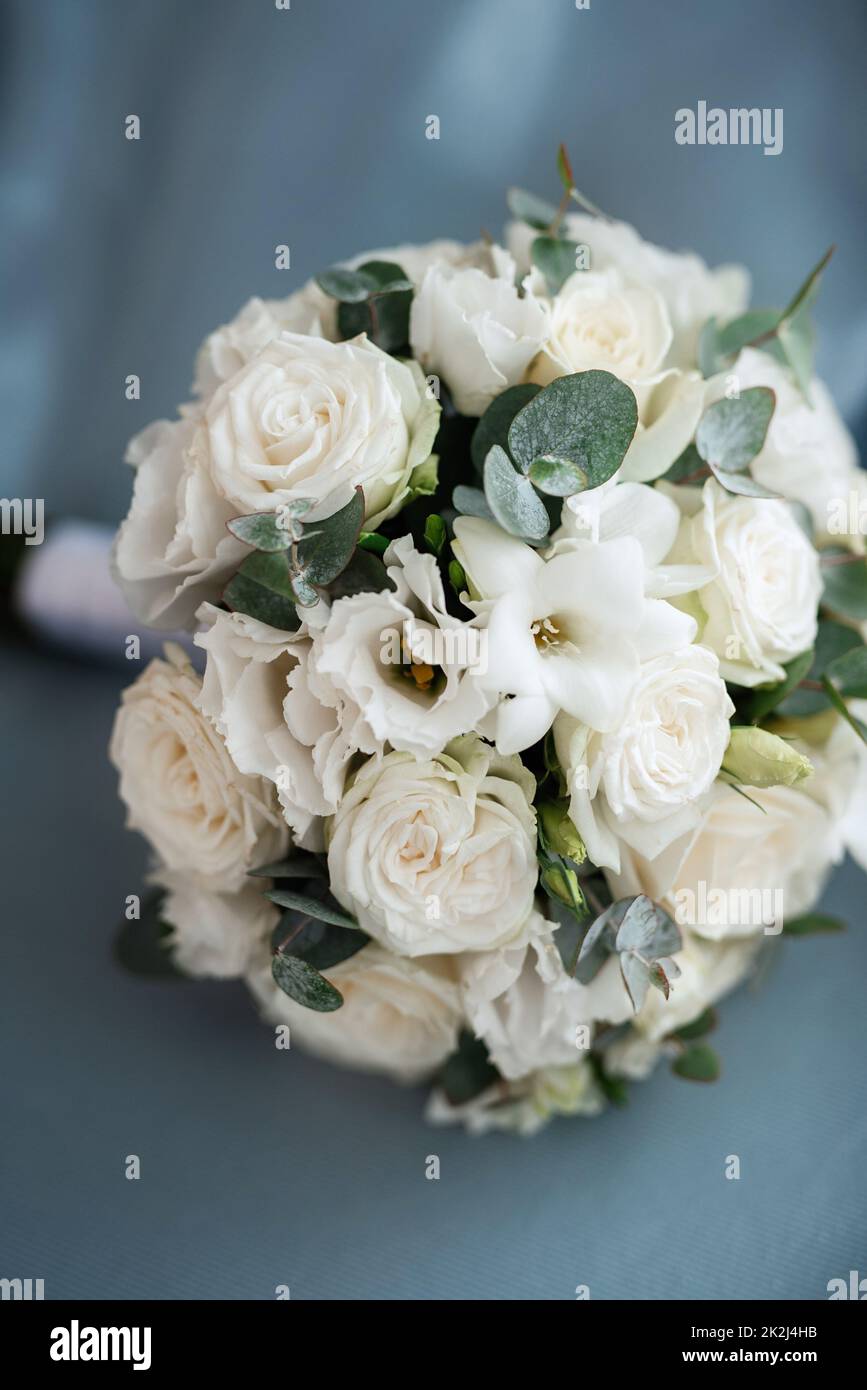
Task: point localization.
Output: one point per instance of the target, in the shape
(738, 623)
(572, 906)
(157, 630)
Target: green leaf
(647, 929)
(564, 168)
(435, 534)
(832, 640)
(493, 428)
(718, 345)
(849, 673)
(697, 1063)
(700, 1026)
(374, 542)
(526, 207)
(600, 941)
(262, 530)
(587, 418)
(689, 468)
(365, 574)
(384, 314)
(323, 946)
(845, 583)
(471, 501)
(262, 588)
(762, 701)
(311, 907)
(807, 292)
(304, 984)
(556, 259)
(614, 1088)
(513, 499)
(557, 477)
(468, 1071)
(731, 432)
(812, 923)
(841, 707)
(143, 947)
(355, 286)
(321, 559)
(457, 577)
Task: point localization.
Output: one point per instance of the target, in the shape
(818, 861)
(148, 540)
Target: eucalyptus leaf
(262, 530)
(471, 501)
(322, 945)
(845, 582)
(311, 907)
(732, 431)
(262, 588)
(762, 702)
(493, 428)
(557, 477)
(320, 560)
(556, 259)
(526, 207)
(600, 941)
(647, 929)
(364, 574)
(849, 673)
(699, 1027)
(513, 499)
(588, 418)
(832, 640)
(304, 984)
(296, 866)
(142, 946)
(855, 724)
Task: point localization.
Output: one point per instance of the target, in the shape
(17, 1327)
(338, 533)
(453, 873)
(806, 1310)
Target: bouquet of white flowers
(526, 583)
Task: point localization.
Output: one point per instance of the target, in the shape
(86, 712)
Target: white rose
(809, 454)
(528, 1010)
(217, 935)
(402, 659)
(180, 786)
(746, 867)
(399, 1016)
(600, 322)
(173, 549)
(643, 782)
(309, 418)
(632, 1056)
(692, 292)
(309, 310)
(761, 609)
(250, 676)
(475, 330)
(437, 855)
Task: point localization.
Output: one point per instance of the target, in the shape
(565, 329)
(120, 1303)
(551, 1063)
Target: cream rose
(218, 935)
(181, 788)
(470, 325)
(643, 782)
(761, 609)
(598, 321)
(309, 418)
(173, 549)
(399, 1016)
(437, 855)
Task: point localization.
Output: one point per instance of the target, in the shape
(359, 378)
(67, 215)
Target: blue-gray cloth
(262, 1168)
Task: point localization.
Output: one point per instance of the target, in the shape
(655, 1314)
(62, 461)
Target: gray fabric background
(261, 1167)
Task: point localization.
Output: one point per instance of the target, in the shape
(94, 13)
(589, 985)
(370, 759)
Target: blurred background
(306, 126)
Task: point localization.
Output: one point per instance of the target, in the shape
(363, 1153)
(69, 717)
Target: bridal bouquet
(522, 710)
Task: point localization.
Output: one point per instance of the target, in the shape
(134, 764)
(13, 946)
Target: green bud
(558, 832)
(562, 882)
(761, 759)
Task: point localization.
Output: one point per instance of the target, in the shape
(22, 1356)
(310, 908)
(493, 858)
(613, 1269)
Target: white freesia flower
(402, 659)
(761, 609)
(217, 935)
(567, 633)
(618, 509)
(313, 419)
(691, 291)
(644, 782)
(528, 1010)
(809, 455)
(399, 1017)
(437, 855)
(470, 325)
(173, 549)
(180, 786)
